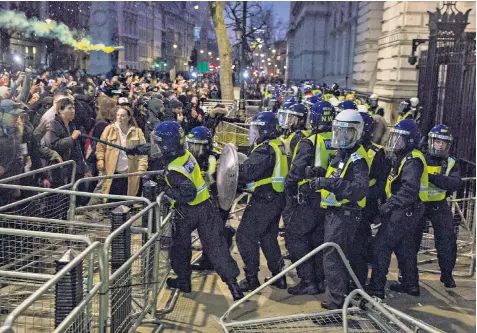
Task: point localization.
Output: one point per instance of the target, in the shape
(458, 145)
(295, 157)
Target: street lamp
(218, 59)
(262, 55)
(201, 51)
(174, 46)
(273, 51)
(196, 7)
(209, 53)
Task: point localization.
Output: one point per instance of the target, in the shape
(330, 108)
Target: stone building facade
(361, 45)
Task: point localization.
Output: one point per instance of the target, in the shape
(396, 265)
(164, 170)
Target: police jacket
(378, 171)
(449, 183)
(11, 157)
(376, 110)
(293, 139)
(355, 183)
(180, 188)
(259, 165)
(303, 158)
(405, 189)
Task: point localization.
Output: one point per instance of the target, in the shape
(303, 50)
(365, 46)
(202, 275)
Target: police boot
(448, 280)
(235, 290)
(281, 283)
(203, 265)
(401, 288)
(249, 283)
(374, 292)
(182, 285)
(305, 287)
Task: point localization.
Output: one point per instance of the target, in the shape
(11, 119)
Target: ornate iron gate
(447, 79)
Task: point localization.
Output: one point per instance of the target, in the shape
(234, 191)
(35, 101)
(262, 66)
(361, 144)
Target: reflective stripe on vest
(436, 193)
(424, 183)
(371, 155)
(188, 166)
(280, 169)
(328, 199)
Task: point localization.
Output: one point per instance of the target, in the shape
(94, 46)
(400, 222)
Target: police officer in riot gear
(378, 172)
(406, 188)
(444, 178)
(184, 184)
(410, 109)
(304, 220)
(373, 107)
(294, 122)
(263, 173)
(200, 144)
(343, 194)
(347, 105)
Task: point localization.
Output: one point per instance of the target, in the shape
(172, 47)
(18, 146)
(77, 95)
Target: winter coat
(155, 115)
(110, 156)
(58, 138)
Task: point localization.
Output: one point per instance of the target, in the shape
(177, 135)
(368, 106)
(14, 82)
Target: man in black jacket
(62, 136)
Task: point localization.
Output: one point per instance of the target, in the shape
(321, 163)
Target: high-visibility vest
(372, 151)
(280, 170)
(188, 166)
(436, 193)
(288, 141)
(323, 151)
(424, 182)
(328, 199)
(327, 97)
(212, 168)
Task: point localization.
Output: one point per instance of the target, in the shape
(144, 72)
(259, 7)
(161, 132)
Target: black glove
(319, 183)
(290, 191)
(305, 189)
(312, 172)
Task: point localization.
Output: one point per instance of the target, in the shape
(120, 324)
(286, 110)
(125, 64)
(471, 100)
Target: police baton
(103, 142)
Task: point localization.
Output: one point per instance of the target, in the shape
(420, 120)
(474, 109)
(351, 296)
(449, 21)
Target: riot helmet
(439, 141)
(321, 116)
(403, 138)
(167, 139)
(347, 129)
(199, 141)
(264, 125)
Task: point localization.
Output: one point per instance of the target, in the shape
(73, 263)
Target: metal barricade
(230, 106)
(375, 317)
(463, 208)
(65, 293)
(237, 134)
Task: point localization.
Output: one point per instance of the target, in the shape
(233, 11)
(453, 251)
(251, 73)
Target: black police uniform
(304, 221)
(260, 220)
(361, 254)
(400, 217)
(228, 231)
(342, 222)
(440, 214)
(205, 219)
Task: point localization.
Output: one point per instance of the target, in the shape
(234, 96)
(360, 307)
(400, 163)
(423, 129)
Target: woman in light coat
(111, 160)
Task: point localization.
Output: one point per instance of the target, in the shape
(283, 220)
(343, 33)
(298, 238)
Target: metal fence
(366, 315)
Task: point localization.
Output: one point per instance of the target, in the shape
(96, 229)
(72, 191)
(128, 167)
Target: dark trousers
(440, 215)
(360, 256)
(205, 218)
(340, 227)
(259, 229)
(228, 233)
(304, 231)
(397, 233)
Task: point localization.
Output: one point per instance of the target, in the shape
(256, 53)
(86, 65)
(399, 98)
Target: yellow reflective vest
(188, 166)
(328, 199)
(280, 169)
(436, 193)
(323, 151)
(423, 189)
(372, 151)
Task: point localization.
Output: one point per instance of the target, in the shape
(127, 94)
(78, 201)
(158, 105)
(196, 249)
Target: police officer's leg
(340, 227)
(442, 221)
(181, 252)
(360, 254)
(385, 241)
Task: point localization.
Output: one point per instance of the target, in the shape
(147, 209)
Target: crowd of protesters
(45, 119)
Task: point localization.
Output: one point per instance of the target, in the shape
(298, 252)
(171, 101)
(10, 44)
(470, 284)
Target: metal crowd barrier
(463, 208)
(45, 309)
(235, 133)
(230, 105)
(366, 315)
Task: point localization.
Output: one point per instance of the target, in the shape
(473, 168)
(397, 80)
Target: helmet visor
(282, 117)
(156, 143)
(396, 142)
(438, 146)
(196, 149)
(403, 106)
(253, 134)
(373, 102)
(345, 134)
